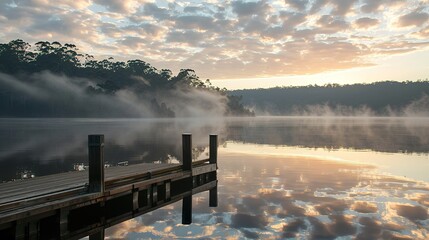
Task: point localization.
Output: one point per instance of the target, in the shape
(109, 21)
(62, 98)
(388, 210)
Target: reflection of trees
(52, 146)
(378, 134)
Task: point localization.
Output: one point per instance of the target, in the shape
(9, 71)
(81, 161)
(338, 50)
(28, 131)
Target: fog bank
(45, 94)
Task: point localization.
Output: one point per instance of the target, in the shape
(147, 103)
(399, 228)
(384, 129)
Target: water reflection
(272, 197)
(278, 177)
(48, 146)
(409, 135)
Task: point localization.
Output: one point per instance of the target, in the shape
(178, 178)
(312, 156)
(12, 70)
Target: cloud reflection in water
(274, 197)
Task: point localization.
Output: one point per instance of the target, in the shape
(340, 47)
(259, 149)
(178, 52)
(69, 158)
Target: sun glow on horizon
(390, 69)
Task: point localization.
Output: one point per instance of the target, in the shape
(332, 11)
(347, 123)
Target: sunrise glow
(240, 44)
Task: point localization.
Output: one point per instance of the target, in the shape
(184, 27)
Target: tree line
(22, 67)
(379, 98)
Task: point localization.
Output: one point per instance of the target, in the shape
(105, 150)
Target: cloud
(413, 213)
(333, 207)
(255, 25)
(242, 8)
(120, 6)
(192, 9)
(364, 207)
(152, 9)
(241, 220)
(416, 18)
(192, 38)
(243, 38)
(337, 7)
(298, 4)
(366, 22)
(195, 22)
(330, 24)
(291, 229)
(372, 6)
(371, 229)
(79, 4)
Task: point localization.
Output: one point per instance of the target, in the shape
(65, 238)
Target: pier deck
(11, 192)
(76, 204)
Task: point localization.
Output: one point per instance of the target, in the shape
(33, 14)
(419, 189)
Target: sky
(240, 44)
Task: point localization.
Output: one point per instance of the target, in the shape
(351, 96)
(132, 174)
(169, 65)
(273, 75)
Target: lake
(279, 177)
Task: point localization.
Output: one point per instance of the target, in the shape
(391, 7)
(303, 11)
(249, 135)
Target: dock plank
(28, 188)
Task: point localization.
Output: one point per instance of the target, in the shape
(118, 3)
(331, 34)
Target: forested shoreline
(51, 79)
(388, 98)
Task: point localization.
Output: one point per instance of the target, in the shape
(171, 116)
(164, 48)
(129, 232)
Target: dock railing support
(213, 202)
(96, 163)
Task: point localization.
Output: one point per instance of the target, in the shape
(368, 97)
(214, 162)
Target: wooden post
(213, 148)
(187, 166)
(213, 202)
(187, 210)
(96, 163)
(187, 151)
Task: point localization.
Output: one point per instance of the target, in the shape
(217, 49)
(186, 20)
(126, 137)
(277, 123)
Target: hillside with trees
(51, 79)
(387, 98)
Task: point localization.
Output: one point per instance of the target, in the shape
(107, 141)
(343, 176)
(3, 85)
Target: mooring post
(96, 163)
(186, 151)
(187, 166)
(213, 148)
(213, 202)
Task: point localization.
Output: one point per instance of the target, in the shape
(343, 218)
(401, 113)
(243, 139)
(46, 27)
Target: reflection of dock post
(96, 163)
(97, 236)
(213, 160)
(187, 166)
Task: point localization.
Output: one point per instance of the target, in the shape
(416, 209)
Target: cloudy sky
(240, 44)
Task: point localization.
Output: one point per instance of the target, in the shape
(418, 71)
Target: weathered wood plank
(204, 169)
(38, 186)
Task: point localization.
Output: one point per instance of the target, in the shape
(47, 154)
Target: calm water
(307, 178)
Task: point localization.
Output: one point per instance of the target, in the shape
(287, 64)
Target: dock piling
(213, 201)
(213, 148)
(187, 166)
(96, 163)
(187, 151)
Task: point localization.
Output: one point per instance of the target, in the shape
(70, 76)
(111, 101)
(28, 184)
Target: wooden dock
(77, 204)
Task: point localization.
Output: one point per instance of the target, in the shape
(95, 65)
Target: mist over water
(48, 146)
(59, 95)
(416, 108)
(28, 143)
